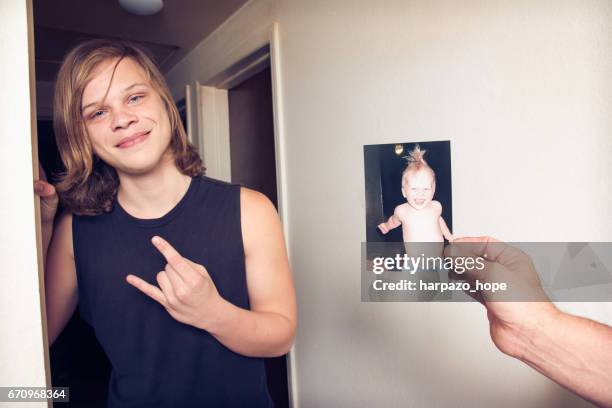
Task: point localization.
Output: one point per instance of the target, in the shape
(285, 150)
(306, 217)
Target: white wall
(22, 357)
(522, 89)
(246, 31)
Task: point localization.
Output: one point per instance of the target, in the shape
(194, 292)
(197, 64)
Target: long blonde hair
(89, 186)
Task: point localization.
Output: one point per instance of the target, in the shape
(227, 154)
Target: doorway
(253, 165)
(253, 159)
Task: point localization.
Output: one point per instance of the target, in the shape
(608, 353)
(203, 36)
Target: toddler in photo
(420, 216)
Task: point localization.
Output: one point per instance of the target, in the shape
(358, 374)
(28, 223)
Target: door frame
(208, 125)
(25, 352)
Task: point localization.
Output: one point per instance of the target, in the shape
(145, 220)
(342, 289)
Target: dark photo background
(383, 183)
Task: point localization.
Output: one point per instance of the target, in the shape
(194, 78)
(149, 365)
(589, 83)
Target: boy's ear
(403, 192)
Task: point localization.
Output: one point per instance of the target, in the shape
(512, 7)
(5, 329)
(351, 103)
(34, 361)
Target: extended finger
(180, 264)
(150, 290)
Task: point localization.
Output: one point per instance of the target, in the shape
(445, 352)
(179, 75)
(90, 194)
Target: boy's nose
(122, 119)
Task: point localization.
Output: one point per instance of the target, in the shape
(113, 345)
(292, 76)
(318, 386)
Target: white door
(23, 350)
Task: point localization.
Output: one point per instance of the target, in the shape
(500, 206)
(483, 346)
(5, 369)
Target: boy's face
(419, 188)
(129, 129)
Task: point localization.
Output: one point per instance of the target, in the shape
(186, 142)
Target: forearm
(575, 352)
(251, 333)
(47, 232)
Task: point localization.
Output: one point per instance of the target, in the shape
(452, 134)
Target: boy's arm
(268, 328)
(61, 293)
(445, 231)
(48, 207)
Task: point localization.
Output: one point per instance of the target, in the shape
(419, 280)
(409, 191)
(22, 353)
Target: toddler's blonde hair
(416, 162)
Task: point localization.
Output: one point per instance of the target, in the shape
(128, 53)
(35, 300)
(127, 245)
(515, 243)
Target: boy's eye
(135, 98)
(96, 114)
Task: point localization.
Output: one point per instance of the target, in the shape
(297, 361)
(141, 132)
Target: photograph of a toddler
(407, 185)
(420, 216)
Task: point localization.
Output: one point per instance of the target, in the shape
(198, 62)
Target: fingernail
(38, 188)
(156, 240)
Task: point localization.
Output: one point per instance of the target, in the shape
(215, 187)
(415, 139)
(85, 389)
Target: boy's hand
(383, 227)
(48, 197)
(187, 291)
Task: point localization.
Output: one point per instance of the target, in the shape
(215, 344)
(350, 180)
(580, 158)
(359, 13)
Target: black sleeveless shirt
(158, 361)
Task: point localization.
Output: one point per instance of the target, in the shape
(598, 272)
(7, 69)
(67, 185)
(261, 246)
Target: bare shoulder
(401, 209)
(258, 219)
(436, 205)
(254, 204)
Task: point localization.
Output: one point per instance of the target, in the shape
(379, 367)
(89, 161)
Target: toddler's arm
(393, 222)
(445, 231)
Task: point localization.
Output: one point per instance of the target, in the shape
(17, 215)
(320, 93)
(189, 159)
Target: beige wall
(522, 89)
(22, 360)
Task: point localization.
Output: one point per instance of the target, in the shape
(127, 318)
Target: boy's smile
(130, 141)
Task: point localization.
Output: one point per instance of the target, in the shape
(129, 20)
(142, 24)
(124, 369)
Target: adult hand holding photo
(573, 351)
(523, 304)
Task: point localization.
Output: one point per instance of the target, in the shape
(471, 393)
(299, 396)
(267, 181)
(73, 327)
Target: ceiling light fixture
(142, 7)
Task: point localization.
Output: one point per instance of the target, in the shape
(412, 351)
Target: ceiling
(169, 35)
